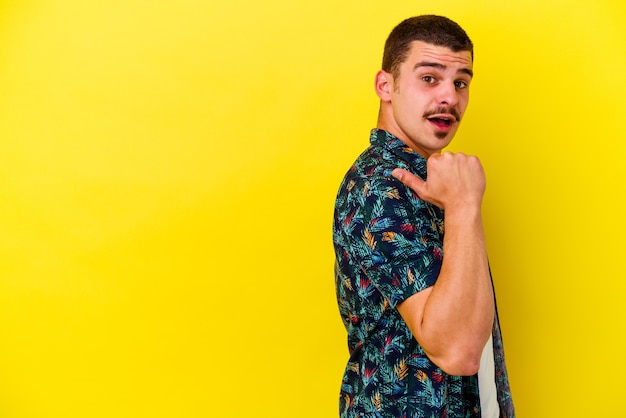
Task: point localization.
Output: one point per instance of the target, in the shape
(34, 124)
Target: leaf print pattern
(389, 246)
(369, 239)
(401, 370)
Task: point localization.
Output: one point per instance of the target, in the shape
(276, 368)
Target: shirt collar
(415, 162)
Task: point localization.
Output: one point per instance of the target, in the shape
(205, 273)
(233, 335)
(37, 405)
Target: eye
(428, 79)
(460, 84)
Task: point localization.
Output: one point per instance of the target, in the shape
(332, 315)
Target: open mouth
(441, 122)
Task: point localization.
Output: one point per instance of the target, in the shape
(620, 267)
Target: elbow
(461, 369)
(459, 364)
(458, 356)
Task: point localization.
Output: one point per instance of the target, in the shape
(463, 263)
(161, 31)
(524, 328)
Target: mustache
(443, 110)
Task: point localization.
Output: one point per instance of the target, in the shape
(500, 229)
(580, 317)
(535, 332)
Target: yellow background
(167, 175)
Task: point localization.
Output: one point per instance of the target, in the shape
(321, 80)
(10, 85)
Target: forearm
(458, 314)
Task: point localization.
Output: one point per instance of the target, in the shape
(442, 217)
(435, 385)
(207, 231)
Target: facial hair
(450, 111)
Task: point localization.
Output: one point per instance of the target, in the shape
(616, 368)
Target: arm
(452, 320)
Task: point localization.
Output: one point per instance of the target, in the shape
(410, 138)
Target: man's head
(431, 29)
(424, 83)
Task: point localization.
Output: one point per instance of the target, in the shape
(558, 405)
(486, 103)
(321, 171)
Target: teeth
(447, 122)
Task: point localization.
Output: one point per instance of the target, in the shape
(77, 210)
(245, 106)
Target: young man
(418, 305)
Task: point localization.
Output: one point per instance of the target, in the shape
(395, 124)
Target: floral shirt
(389, 246)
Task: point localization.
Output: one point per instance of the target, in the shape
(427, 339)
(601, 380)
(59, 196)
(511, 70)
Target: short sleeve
(401, 240)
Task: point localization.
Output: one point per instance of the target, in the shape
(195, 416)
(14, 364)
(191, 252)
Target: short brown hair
(432, 29)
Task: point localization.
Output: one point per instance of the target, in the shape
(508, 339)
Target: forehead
(425, 52)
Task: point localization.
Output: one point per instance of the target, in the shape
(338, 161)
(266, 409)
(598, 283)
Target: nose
(447, 95)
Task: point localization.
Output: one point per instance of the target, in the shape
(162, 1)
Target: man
(418, 305)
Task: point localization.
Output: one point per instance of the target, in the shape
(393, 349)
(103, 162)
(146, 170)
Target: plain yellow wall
(167, 175)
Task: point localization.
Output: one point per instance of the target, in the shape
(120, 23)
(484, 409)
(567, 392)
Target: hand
(454, 181)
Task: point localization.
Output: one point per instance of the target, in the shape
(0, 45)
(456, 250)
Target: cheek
(464, 100)
(462, 106)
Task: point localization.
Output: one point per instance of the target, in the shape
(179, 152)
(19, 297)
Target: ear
(383, 84)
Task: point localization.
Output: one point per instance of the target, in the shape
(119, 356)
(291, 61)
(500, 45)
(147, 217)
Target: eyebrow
(441, 67)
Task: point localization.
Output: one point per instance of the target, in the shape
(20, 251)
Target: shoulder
(371, 197)
(370, 174)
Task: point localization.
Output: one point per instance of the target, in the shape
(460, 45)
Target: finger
(408, 179)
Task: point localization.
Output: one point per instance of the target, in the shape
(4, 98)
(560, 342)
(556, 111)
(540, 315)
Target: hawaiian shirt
(389, 246)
